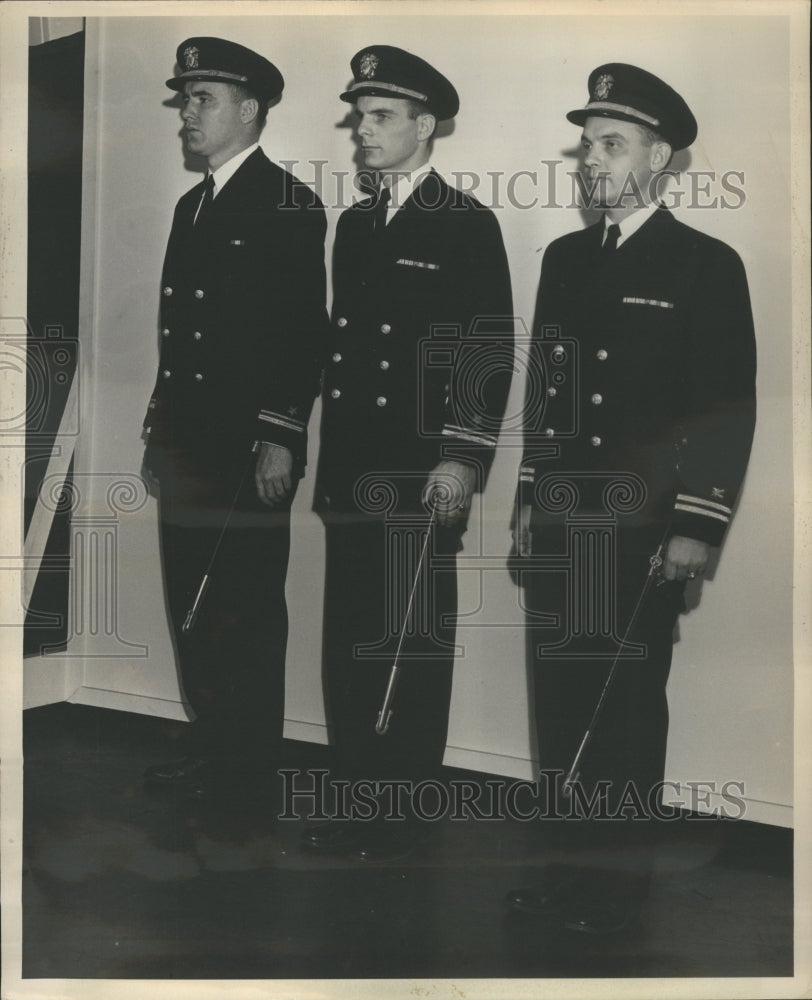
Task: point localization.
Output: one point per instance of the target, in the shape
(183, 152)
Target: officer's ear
(249, 109)
(426, 124)
(660, 155)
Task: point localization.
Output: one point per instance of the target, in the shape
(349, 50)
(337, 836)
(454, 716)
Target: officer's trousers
(232, 662)
(371, 564)
(577, 624)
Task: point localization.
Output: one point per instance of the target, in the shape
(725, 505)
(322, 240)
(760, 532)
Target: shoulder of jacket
(696, 242)
(193, 194)
(437, 192)
(301, 193)
(573, 242)
(355, 212)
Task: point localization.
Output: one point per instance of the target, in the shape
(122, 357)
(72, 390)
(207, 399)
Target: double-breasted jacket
(421, 348)
(643, 367)
(242, 319)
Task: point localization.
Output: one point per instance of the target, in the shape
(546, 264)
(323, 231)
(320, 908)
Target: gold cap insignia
(190, 54)
(369, 63)
(602, 86)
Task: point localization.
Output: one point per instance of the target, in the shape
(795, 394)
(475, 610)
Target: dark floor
(120, 883)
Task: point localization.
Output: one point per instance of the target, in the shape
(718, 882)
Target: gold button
(595, 442)
(381, 400)
(335, 393)
(552, 391)
(197, 334)
(165, 332)
(602, 355)
(199, 293)
(558, 351)
(336, 357)
(386, 328)
(384, 366)
(341, 321)
(597, 399)
(549, 432)
(166, 373)
(167, 290)
(198, 377)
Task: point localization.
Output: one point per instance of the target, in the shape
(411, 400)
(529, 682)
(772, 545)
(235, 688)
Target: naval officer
(644, 334)
(416, 383)
(242, 323)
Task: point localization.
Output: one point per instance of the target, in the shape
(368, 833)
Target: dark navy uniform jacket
(243, 319)
(644, 364)
(421, 352)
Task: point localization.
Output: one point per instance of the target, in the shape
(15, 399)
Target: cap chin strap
(211, 74)
(621, 109)
(390, 87)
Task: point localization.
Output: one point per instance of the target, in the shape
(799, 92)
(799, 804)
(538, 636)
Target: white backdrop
(731, 683)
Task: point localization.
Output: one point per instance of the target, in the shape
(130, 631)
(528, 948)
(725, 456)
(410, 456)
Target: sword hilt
(385, 714)
(191, 615)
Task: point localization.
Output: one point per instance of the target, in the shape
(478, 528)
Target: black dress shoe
(547, 899)
(178, 772)
(333, 837)
(600, 916)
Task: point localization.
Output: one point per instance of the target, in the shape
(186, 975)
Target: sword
(191, 614)
(385, 714)
(655, 562)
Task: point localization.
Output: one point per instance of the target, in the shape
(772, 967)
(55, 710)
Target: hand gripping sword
(655, 562)
(385, 714)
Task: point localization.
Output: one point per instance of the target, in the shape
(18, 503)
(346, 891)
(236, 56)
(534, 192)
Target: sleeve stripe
(291, 425)
(282, 416)
(457, 432)
(691, 509)
(704, 503)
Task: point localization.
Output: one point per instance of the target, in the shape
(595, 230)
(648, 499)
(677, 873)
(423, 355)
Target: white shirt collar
(404, 187)
(223, 174)
(633, 222)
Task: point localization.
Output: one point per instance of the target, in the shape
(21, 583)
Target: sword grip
(574, 771)
(385, 714)
(191, 615)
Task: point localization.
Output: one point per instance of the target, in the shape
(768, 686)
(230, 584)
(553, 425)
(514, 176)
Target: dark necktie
(207, 199)
(381, 206)
(610, 243)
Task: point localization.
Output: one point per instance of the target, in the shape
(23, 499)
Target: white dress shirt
(223, 174)
(630, 225)
(403, 188)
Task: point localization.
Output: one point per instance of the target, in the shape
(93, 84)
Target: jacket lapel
(431, 193)
(243, 180)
